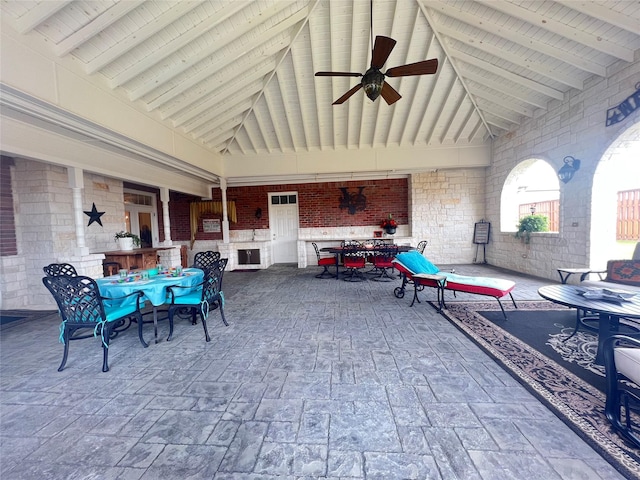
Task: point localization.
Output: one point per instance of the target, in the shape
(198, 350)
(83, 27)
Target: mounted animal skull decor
(353, 202)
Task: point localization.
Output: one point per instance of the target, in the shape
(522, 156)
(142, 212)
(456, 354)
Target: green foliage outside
(531, 223)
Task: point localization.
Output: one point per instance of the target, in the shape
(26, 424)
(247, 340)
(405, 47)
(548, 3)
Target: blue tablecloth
(154, 289)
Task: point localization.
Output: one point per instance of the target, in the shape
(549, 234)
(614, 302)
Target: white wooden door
(283, 222)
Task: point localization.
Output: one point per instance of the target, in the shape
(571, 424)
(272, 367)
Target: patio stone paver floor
(311, 379)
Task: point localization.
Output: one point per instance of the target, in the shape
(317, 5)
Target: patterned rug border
(577, 403)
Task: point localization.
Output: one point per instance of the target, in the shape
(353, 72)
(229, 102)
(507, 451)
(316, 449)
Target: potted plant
(127, 240)
(531, 223)
(389, 225)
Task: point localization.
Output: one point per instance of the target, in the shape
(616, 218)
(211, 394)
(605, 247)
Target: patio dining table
(337, 251)
(154, 288)
(609, 312)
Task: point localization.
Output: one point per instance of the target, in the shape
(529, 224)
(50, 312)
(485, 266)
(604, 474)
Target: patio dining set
(107, 306)
(359, 261)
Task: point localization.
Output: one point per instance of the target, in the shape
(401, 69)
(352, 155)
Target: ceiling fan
(373, 79)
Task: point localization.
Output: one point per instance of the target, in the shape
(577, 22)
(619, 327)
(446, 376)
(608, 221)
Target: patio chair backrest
(78, 299)
(218, 270)
(205, 260)
(60, 269)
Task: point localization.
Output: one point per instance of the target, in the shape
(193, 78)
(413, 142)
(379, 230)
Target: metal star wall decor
(94, 215)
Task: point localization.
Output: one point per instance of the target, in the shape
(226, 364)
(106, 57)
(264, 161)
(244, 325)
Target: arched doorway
(618, 170)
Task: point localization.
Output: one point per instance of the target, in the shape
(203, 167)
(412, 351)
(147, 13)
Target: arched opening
(618, 171)
(531, 187)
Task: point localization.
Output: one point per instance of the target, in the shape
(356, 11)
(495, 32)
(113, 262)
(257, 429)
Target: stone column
(76, 182)
(225, 218)
(164, 198)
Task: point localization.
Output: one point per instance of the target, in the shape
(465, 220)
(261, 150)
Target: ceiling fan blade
(338, 74)
(426, 67)
(389, 94)
(346, 96)
(381, 51)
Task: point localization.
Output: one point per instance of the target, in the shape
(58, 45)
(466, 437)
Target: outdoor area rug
(550, 377)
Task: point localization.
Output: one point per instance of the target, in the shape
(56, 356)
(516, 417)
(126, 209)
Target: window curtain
(197, 209)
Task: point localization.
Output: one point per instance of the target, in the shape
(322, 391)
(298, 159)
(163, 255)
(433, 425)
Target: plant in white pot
(127, 240)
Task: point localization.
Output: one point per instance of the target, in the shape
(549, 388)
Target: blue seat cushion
(116, 313)
(416, 263)
(191, 298)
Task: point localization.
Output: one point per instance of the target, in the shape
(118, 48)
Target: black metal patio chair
(622, 367)
(205, 260)
(60, 269)
(82, 307)
(200, 300)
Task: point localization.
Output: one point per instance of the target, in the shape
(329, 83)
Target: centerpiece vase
(390, 230)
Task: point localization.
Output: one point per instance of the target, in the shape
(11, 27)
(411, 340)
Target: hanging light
(372, 83)
(533, 209)
(571, 166)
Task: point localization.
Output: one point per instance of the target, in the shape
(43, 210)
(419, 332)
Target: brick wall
(318, 204)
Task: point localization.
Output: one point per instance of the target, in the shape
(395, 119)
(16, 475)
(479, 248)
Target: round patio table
(154, 289)
(609, 312)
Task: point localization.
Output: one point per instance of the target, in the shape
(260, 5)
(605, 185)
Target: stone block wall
(576, 127)
(445, 205)
(46, 231)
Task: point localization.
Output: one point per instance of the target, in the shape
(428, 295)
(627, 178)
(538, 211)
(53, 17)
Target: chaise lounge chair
(422, 273)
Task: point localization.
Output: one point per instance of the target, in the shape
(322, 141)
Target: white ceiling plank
(454, 113)
(494, 110)
(562, 29)
(222, 139)
(232, 56)
(430, 18)
(98, 24)
(500, 100)
(226, 91)
(261, 129)
(193, 60)
(476, 131)
(304, 112)
(38, 15)
(443, 104)
(539, 68)
(301, 24)
(235, 110)
(179, 42)
(516, 37)
(602, 12)
(141, 35)
(463, 125)
(273, 115)
(502, 125)
(287, 101)
(511, 77)
(504, 87)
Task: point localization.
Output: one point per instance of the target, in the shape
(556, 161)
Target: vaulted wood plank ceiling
(238, 75)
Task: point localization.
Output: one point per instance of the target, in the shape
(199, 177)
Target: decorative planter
(390, 230)
(125, 243)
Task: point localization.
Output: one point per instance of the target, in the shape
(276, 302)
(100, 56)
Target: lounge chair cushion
(416, 262)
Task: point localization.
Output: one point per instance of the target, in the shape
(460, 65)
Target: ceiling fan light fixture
(372, 82)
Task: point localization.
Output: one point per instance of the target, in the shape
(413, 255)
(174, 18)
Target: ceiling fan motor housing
(372, 83)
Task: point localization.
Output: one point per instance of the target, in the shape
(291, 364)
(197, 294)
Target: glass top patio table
(154, 289)
(609, 312)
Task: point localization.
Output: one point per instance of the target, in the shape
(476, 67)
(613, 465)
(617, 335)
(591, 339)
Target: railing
(549, 208)
(628, 218)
